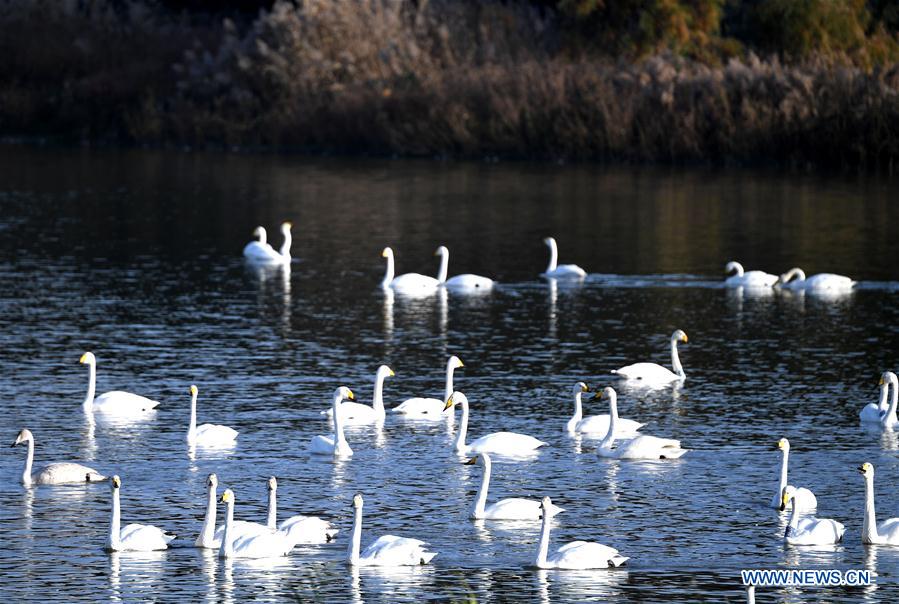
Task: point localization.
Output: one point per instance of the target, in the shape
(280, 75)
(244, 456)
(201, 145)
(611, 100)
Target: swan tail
(331, 534)
(615, 371)
(616, 561)
(94, 477)
(427, 557)
(169, 537)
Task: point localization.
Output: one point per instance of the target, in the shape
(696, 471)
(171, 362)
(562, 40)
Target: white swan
(820, 282)
(874, 413)
(803, 499)
(115, 402)
(888, 420)
(512, 508)
(388, 550)
(560, 271)
(54, 473)
(264, 544)
(810, 530)
(431, 408)
(885, 533)
(749, 279)
(409, 283)
(640, 447)
(334, 444)
(210, 536)
(300, 529)
(500, 443)
(597, 425)
(262, 251)
(356, 413)
(132, 537)
(574, 555)
(207, 434)
(460, 283)
(650, 372)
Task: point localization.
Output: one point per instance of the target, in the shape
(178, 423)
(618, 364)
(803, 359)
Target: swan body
(650, 372)
(819, 282)
(750, 279)
(460, 283)
(261, 251)
(499, 443)
(888, 419)
(513, 508)
(410, 283)
(388, 550)
(116, 402)
(431, 408)
(555, 270)
(803, 499)
(596, 424)
(640, 447)
(132, 537)
(575, 555)
(874, 413)
(353, 413)
(810, 530)
(207, 434)
(334, 444)
(264, 544)
(885, 533)
(54, 473)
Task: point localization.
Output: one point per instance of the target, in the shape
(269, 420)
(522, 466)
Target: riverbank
(426, 79)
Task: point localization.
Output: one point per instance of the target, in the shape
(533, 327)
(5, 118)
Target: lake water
(137, 256)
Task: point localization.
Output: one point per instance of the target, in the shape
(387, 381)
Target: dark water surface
(137, 257)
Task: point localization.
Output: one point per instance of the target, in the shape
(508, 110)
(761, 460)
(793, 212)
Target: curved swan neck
(29, 459)
(543, 546)
(463, 427)
(388, 274)
(356, 539)
(794, 272)
(207, 532)
(889, 419)
(481, 499)
(869, 527)
(115, 522)
(88, 404)
(675, 360)
(272, 520)
(377, 401)
(444, 264)
(285, 247)
(571, 426)
(609, 438)
(553, 255)
(735, 266)
(263, 235)
(226, 549)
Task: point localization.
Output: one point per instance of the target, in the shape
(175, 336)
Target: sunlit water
(136, 256)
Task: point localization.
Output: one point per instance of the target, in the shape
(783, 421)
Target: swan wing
(469, 282)
(828, 281)
(62, 473)
(566, 271)
(650, 447)
(651, 372)
(870, 414)
(599, 425)
(427, 408)
(143, 538)
(261, 252)
(390, 550)
(586, 554)
(816, 531)
(322, 445)
(509, 443)
(308, 529)
(752, 279)
(889, 531)
(239, 528)
(354, 413)
(514, 508)
(262, 545)
(214, 433)
(118, 402)
(414, 282)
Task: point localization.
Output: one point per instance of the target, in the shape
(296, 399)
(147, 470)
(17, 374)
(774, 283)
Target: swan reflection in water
(580, 585)
(132, 575)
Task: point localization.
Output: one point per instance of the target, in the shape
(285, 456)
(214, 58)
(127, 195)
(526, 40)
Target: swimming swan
(574, 555)
(874, 413)
(133, 537)
(431, 408)
(300, 529)
(334, 444)
(887, 532)
(650, 372)
(356, 413)
(115, 402)
(264, 544)
(560, 271)
(804, 499)
(500, 443)
(207, 434)
(810, 530)
(596, 425)
(888, 420)
(54, 473)
(409, 283)
(513, 508)
(388, 550)
(820, 282)
(640, 447)
(749, 279)
(262, 251)
(463, 282)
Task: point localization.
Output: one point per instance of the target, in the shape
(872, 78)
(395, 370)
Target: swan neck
(890, 419)
(571, 426)
(285, 247)
(543, 546)
(272, 521)
(448, 384)
(737, 267)
(794, 517)
(226, 549)
(675, 361)
(377, 402)
(481, 499)
(869, 527)
(389, 272)
(882, 403)
(338, 423)
(356, 539)
(263, 236)
(88, 404)
(115, 522)
(609, 438)
(444, 266)
(192, 429)
(207, 532)
(463, 428)
(553, 256)
(29, 459)
(784, 463)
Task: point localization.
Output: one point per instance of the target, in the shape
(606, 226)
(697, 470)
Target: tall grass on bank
(440, 78)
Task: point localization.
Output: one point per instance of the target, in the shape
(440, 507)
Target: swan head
(194, 390)
(580, 388)
(357, 501)
(272, 484)
(24, 436)
(115, 483)
(787, 276)
(783, 444)
(387, 253)
(441, 251)
(259, 232)
(679, 336)
(227, 496)
(455, 362)
(344, 393)
(212, 481)
(888, 377)
(785, 498)
(286, 226)
(455, 397)
(866, 470)
(733, 266)
(549, 510)
(550, 241)
(384, 372)
(607, 392)
(88, 358)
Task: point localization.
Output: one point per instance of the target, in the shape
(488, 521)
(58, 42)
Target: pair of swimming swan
(353, 413)
(641, 446)
(334, 444)
(809, 530)
(803, 499)
(415, 283)
(431, 408)
(576, 555)
(113, 403)
(261, 251)
(511, 508)
(54, 473)
(596, 425)
(881, 413)
(297, 529)
(793, 279)
(656, 374)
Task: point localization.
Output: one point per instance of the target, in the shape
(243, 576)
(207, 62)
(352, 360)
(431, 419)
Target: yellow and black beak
(861, 469)
(350, 395)
(449, 403)
(116, 482)
(471, 461)
(784, 500)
